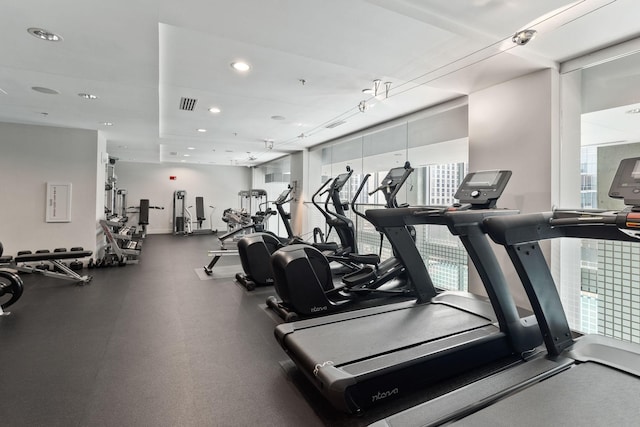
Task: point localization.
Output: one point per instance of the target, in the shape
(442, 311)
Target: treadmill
(590, 380)
(367, 357)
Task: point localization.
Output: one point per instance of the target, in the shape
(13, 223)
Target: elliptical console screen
(283, 196)
(394, 176)
(340, 181)
(626, 183)
(483, 188)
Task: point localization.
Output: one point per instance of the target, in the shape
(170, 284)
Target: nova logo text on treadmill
(317, 309)
(384, 394)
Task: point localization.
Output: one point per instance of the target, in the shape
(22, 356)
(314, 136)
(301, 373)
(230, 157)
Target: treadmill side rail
(621, 355)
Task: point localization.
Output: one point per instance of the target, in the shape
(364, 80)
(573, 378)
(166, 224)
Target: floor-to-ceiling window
(435, 143)
(600, 280)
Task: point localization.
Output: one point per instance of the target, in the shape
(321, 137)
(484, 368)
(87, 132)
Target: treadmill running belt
(353, 340)
(586, 394)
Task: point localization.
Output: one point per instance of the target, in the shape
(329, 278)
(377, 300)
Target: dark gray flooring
(155, 345)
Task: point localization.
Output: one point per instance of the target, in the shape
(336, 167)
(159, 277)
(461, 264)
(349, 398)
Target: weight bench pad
(52, 255)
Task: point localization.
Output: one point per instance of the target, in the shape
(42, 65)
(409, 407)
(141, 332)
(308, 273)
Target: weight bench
(216, 257)
(55, 258)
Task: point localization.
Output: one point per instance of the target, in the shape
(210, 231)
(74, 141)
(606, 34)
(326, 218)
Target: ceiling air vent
(335, 124)
(188, 104)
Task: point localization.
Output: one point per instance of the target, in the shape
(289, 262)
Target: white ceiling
(140, 57)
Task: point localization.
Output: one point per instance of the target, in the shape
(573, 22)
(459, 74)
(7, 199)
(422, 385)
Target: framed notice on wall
(58, 202)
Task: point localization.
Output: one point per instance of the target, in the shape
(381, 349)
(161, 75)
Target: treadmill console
(626, 183)
(482, 189)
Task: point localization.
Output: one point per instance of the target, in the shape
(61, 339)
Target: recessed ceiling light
(240, 66)
(634, 111)
(44, 34)
(278, 117)
(186, 155)
(87, 96)
(45, 90)
(214, 110)
(107, 124)
(201, 130)
(191, 148)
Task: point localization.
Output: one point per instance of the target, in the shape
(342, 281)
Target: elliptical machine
(303, 278)
(374, 273)
(255, 249)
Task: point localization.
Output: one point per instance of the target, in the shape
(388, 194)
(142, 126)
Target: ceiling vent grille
(188, 104)
(335, 124)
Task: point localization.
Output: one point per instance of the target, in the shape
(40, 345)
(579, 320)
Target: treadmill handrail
(534, 227)
(520, 235)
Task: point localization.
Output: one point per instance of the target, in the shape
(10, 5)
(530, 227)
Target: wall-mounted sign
(58, 202)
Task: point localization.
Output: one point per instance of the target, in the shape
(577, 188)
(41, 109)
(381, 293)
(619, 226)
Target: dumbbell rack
(121, 248)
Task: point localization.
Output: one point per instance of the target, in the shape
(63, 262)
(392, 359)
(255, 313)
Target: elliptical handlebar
(320, 192)
(355, 197)
(334, 194)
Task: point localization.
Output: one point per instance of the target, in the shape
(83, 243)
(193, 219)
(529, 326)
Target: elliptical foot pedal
(360, 277)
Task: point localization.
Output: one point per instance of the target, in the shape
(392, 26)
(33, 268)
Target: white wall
(219, 185)
(514, 125)
(31, 156)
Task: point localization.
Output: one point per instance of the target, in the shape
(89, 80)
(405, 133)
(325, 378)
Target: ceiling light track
(520, 38)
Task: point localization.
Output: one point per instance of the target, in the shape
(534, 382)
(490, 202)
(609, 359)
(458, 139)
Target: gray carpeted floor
(155, 345)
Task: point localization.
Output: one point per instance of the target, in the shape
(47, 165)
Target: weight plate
(11, 288)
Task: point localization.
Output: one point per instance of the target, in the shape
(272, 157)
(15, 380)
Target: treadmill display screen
(626, 183)
(484, 179)
(482, 189)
